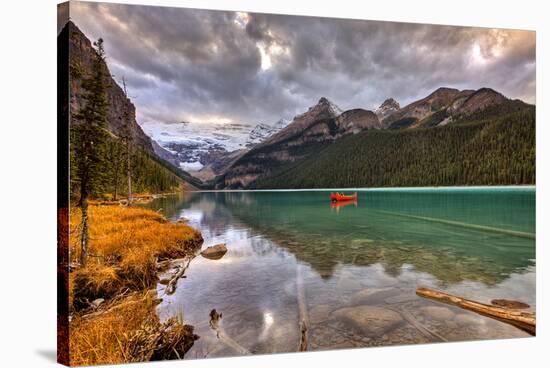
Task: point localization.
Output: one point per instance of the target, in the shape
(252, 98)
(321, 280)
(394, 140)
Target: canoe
(336, 197)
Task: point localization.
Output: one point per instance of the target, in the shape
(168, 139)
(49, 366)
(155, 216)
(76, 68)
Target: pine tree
(89, 139)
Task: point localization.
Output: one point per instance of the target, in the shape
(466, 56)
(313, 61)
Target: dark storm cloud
(214, 65)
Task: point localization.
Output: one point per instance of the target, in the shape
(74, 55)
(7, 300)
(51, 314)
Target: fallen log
(303, 339)
(302, 309)
(215, 318)
(171, 286)
(525, 321)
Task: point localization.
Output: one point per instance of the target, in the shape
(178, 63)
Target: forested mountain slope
(495, 146)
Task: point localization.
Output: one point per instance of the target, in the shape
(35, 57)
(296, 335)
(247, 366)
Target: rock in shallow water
(511, 304)
(438, 313)
(214, 252)
(369, 295)
(466, 319)
(370, 320)
(319, 313)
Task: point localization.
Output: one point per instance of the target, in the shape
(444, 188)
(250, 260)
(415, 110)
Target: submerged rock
(511, 304)
(370, 320)
(466, 319)
(319, 313)
(438, 313)
(369, 295)
(214, 252)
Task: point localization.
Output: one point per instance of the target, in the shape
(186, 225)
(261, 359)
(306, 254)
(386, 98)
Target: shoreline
(113, 299)
(379, 189)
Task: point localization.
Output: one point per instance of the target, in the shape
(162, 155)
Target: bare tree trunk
(129, 141)
(84, 231)
(302, 309)
(129, 173)
(115, 194)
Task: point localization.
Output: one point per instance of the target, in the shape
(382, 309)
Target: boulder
(370, 320)
(214, 252)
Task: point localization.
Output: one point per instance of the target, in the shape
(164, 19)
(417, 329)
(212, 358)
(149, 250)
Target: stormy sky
(215, 66)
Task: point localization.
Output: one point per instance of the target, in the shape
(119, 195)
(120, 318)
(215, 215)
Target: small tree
(88, 140)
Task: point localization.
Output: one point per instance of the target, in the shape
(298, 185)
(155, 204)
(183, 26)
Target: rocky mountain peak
(479, 100)
(390, 102)
(388, 107)
(444, 90)
(325, 103)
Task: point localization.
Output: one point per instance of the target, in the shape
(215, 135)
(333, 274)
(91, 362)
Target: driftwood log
(171, 286)
(302, 309)
(525, 321)
(215, 319)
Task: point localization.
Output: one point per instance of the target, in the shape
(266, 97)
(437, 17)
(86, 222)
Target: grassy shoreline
(112, 300)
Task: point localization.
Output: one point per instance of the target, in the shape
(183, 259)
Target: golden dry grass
(125, 244)
(129, 331)
(105, 339)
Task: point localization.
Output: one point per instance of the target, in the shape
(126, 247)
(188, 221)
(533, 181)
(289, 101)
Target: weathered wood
(525, 321)
(303, 339)
(215, 319)
(171, 286)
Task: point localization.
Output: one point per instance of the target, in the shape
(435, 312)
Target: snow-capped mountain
(195, 145)
(262, 131)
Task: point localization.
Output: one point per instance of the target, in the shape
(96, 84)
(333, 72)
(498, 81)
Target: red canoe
(337, 197)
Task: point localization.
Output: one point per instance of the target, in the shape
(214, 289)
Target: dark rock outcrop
(81, 53)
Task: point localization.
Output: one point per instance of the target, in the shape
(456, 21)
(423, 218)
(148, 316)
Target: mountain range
(202, 148)
(281, 160)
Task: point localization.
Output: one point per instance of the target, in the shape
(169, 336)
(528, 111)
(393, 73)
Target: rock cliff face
(422, 108)
(476, 101)
(353, 121)
(81, 54)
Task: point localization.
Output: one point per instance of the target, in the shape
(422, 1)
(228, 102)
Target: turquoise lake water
(349, 258)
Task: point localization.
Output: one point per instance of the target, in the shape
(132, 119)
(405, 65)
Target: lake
(353, 266)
